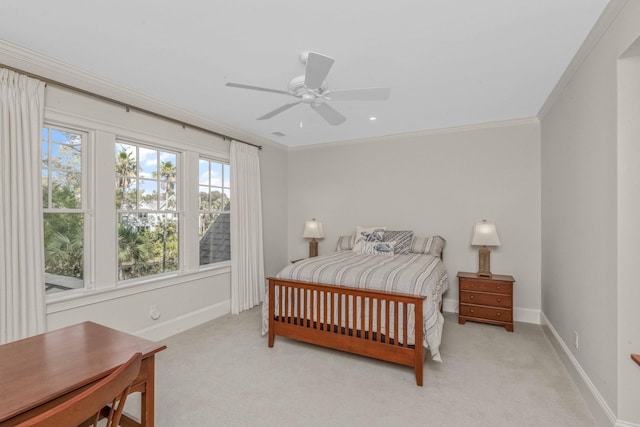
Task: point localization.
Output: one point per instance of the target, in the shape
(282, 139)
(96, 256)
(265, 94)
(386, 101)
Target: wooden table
(39, 372)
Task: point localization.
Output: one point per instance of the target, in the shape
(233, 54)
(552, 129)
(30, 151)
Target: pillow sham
(345, 243)
(428, 245)
(369, 234)
(374, 248)
(403, 240)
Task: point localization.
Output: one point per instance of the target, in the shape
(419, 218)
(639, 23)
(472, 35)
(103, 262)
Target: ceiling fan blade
(278, 110)
(329, 114)
(318, 67)
(364, 94)
(263, 89)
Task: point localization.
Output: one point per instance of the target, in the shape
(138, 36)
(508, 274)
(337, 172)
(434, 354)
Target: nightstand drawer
(486, 286)
(481, 312)
(494, 300)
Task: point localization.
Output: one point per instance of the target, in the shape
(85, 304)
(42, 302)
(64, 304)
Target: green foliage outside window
(64, 249)
(146, 203)
(63, 219)
(147, 219)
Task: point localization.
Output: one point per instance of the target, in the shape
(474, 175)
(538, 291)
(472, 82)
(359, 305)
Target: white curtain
(247, 262)
(22, 308)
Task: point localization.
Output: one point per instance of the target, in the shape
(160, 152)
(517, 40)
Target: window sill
(69, 300)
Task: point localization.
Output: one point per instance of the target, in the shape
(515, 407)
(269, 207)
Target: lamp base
(484, 262)
(313, 248)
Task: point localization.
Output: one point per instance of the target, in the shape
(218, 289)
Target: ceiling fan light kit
(312, 89)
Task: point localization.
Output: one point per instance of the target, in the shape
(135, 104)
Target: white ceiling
(448, 62)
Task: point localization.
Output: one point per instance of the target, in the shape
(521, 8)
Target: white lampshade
(485, 234)
(313, 230)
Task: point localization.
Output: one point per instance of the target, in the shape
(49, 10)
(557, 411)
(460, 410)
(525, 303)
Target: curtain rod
(125, 105)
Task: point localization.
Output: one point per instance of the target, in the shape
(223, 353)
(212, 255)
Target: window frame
(102, 261)
(224, 180)
(86, 200)
(178, 211)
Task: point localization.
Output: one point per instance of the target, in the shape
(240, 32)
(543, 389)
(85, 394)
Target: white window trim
(197, 204)
(102, 284)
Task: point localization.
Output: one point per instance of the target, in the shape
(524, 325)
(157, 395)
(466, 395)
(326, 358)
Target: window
(214, 201)
(64, 204)
(147, 208)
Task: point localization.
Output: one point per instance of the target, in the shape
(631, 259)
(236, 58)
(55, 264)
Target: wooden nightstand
(486, 299)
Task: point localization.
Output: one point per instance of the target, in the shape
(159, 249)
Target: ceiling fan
(312, 89)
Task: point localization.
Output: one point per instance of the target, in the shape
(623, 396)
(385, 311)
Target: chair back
(88, 405)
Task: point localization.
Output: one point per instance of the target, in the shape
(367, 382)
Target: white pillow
(369, 234)
(374, 248)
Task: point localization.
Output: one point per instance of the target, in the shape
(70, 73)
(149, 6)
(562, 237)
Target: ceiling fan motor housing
(297, 87)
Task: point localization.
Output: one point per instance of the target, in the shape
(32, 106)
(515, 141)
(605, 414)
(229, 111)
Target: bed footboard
(364, 322)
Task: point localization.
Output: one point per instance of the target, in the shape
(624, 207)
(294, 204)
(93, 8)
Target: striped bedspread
(413, 274)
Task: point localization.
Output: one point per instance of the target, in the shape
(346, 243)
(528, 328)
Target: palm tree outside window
(146, 202)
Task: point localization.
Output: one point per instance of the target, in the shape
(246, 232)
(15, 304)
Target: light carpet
(222, 373)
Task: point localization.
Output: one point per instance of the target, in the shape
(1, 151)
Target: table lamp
(484, 234)
(313, 230)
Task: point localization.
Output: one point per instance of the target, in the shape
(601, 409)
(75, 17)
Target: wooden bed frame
(360, 335)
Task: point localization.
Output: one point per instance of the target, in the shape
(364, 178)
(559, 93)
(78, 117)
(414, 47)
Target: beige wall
(431, 183)
(628, 232)
(590, 180)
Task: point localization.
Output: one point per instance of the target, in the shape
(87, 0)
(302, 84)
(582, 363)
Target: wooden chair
(88, 406)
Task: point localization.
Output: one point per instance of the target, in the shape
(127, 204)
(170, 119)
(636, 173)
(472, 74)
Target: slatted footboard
(369, 323)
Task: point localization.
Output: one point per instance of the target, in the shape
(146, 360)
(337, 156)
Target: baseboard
(179, 324)
(626, 424)
(526, 315)
(599, 408)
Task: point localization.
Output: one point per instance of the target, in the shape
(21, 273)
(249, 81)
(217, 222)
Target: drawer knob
(471, 311)
(499, 300)
(471, 296)
(498, 314)
(471, 285)
(498, 287)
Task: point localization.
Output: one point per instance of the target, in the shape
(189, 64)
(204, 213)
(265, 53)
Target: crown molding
(423, 133)
(20, 58)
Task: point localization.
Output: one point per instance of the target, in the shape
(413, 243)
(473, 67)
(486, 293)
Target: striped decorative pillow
(403, 240)
(428, 245)
(345, 243)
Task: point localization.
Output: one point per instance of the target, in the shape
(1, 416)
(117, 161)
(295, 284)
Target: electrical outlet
(575, 339)
(154, 313)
